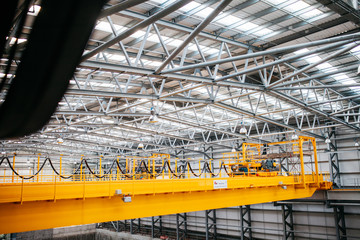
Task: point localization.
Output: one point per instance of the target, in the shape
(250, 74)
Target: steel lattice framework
(185, 76)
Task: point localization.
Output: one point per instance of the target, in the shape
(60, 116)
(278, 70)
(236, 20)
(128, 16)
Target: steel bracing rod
(344, 110)
(119, 7)
(320, 86)
(321, 75)
(83, 92)
(331, 46)
(299, 103)
(196, 31)
(319, 82)
(181, 28)
(341, 51)
(171, 8)
(264, 119)
(84, 113)
(176, 76)
(351, 37)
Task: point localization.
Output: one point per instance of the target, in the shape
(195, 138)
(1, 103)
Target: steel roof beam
(175, 76)
(149, 20)
(186, 29)
(82, 92)
(88, 113)
(300, 104)
(194, 33)
(352, 37)
(261, 118)
(120, 7)
(337, 53)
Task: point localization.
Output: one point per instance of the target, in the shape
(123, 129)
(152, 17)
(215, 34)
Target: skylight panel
(340, 77)
(299, 5)
(210, 50)
(276, 2)
(263, 32)
(313, 59)
(325, 67)
(175, 42)
(116, 57)
(356, 51)
(190, 6)
(304, 50)
(138, 34)
(247, 26)
(192, 47)
(311, 14)
(228, 20)
(204, 13)
(105, 26)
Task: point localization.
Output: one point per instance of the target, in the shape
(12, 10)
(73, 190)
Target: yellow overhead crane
(158, 185)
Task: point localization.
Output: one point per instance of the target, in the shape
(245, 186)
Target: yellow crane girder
(33, 206)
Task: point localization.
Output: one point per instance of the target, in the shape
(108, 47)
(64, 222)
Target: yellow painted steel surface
(33, 202)
(33, 206)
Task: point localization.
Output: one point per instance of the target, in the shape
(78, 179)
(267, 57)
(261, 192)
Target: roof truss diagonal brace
(173, 7)
(351, 37)
(300, 104)
(261, 118)
(196, 31)
(119, 7)
(337, 53)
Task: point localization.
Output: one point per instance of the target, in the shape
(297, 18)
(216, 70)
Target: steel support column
(288, 221)
(210, 223)
(245, 222)
(333, 158)
(156, 226)
(133, 225)
(181, 232)
(340, 222)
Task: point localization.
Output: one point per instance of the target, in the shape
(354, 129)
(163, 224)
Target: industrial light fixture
(141, 145)
(356, 144)
(60, 140)
(153, 118)
(196, 148)
(327, 140)
(243, 130)
(233, 150)
(295, 136)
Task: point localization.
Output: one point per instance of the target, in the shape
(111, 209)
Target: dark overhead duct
(57, 40)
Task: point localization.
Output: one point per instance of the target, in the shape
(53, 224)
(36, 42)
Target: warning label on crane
(219, 184)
